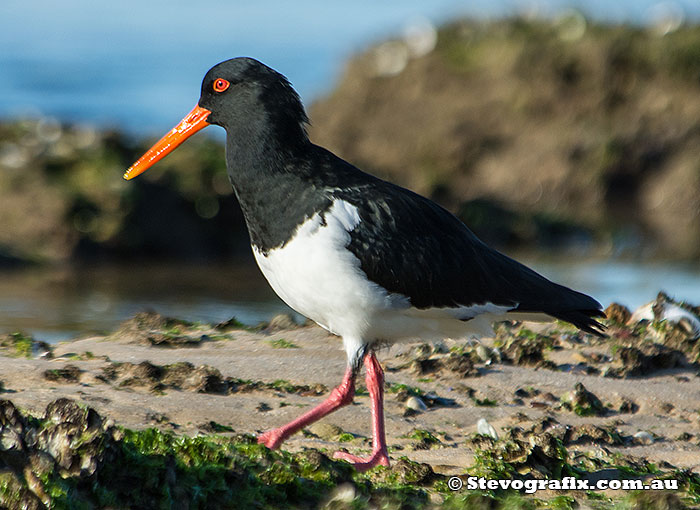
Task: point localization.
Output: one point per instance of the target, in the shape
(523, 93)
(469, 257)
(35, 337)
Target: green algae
(281, 343)
(218, 427)
(484, 402)
(230, 324)
(410, 391)
(17, 344)
(155, 469)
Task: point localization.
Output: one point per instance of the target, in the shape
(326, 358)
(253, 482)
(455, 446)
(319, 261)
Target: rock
(158, 417)
(405, 471)
(182, 375)
(549, 396)
(643, 437)
(525, 347)
(618, 313)
(344, 494)
(67, 374)
(584, 403)
(281, 322)
(263, 407)
(420, 351)
(656, 500)
(205, 379)
(425, 366)
(215, 428)
(71, 423)
(432, 399)
(484, 428)
(526, 452)
(415, 404)
(483, 352)
(520, 417)
(465, 125)
(666, 309)
(17, 494)
(627, 406)
(527, 392)
(588, 433)
(21, 345)
(461, 364)
(10, 417)
(231, 324)
(645, 359)
(325, 431)
(422, 440)
(10, 440)
(129, 374)
(151, 328)
(440, 348)
(545, 424)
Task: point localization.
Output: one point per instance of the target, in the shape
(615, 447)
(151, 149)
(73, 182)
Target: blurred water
(138, 64)
(57, 305)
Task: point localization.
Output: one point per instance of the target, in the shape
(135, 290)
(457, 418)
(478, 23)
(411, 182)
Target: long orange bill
(193, 122)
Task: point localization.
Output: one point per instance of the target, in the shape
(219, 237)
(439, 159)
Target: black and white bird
(367, 260)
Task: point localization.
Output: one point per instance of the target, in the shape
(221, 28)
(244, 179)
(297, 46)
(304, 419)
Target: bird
(367, 260)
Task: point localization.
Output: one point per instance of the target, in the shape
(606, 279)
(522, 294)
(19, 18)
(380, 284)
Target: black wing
(412, 246)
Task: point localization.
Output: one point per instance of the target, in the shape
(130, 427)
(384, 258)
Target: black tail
(535, 293)
(583, 319)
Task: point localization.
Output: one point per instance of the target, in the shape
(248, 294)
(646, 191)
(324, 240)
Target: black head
(243, 92)
(255, 104)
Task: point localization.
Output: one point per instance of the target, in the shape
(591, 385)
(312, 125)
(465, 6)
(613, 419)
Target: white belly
(318, 277)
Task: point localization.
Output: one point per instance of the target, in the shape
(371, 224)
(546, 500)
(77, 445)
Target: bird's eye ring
(220, 85)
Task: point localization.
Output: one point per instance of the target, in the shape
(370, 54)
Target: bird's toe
(362, 464)
(272, 439)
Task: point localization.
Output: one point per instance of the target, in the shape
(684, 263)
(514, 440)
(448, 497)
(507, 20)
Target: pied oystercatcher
(367, 260)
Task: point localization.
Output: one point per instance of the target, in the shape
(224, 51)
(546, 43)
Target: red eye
(220, 85)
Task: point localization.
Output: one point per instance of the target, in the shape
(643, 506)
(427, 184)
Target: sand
(666, 402)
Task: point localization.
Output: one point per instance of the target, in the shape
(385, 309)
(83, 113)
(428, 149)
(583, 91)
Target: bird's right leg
(339, 397)
(375, 387)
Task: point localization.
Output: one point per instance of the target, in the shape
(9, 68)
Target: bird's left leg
(374, 378)
(339, 397)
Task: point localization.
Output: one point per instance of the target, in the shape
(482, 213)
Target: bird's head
(243, 96)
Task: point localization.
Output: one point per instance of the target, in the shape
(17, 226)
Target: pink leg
(339, 397)
(374, 378)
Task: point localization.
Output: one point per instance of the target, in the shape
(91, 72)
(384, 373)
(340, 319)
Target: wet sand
(109, 374)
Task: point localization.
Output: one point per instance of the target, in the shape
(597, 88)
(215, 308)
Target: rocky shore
(162, 413)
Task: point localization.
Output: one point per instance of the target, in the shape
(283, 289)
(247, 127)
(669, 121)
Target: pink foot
(272, 438)
(378, 458)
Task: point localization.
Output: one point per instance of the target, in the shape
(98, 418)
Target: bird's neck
(272, 181)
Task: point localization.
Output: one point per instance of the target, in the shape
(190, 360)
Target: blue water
(138, 64)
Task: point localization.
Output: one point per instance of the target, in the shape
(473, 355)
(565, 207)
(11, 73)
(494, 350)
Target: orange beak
(193, 122)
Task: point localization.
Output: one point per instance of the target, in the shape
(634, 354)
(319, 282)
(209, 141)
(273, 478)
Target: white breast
(318, 277)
